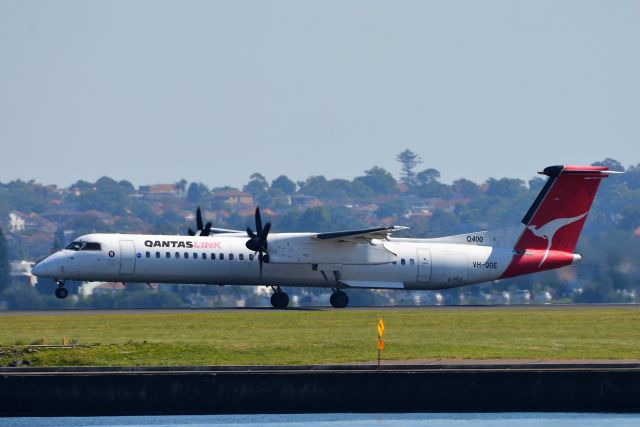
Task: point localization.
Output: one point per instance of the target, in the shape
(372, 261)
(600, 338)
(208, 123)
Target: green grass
(317, 337)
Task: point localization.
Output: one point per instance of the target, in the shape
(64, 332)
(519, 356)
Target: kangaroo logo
(548, 230)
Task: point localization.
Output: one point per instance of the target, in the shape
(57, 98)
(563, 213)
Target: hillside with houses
(37, 218)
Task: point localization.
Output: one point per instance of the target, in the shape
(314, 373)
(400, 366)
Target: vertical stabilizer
(555, 220)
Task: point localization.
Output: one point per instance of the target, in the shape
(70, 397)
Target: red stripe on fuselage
(529, 262)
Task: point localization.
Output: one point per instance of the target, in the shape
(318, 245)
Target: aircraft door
(127, 257)
(424, 265)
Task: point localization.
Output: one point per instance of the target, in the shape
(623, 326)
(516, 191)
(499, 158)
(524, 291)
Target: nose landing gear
(61, 291)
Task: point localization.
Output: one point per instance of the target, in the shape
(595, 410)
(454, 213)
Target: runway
(90, 312)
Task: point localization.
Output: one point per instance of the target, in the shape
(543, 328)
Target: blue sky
(155, 91)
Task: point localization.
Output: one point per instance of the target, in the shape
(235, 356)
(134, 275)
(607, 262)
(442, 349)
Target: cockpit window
(75, 246)
(83, 246)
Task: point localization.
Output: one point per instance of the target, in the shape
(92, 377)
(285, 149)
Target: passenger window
(221, 257)
(204, 256)
(230, 257)
(186, 255)
(250, 257)
(241, 257)
(213, 256)
(148, 254)
(177, 254)
(411, 261)
(168, 254)
(157, 254)
(402, 261)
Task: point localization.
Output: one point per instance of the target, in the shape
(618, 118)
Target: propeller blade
(265, 231)
(258, 221)
(191, 232)
(199, 218)
(207, 229)
(260, 260)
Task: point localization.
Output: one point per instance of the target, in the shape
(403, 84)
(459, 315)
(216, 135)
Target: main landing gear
(279, 299)
(339, 299)
(61, 291)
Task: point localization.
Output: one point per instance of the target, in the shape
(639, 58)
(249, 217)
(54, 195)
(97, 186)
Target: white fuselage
(295, 259)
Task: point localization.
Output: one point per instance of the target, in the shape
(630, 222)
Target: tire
(279, 300)
(339, 299)
(61, 293)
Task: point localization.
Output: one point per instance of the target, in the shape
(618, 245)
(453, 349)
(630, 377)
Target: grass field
(242, 337)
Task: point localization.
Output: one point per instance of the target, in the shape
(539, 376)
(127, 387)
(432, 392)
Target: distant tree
(409, 160)
(536, 184)
(443, 223)
(26, 196)
(630, 218)
(632, 177)
(81, 186)
(394, 208)
(105, 195)
(465, 188)
(284, 184)
(257, 185)
(505, 187)
(612, 164)
(182, 185)
(378, 180)
(429, 186)
(5, 270)
(127, 186)
(196, 192)
(316, 219)
(313, 186)
(427, 176)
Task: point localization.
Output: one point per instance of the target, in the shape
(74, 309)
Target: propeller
(258, 240)
(201, 230)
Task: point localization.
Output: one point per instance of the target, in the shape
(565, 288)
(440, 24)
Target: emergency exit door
(127, 257)
(424, 265)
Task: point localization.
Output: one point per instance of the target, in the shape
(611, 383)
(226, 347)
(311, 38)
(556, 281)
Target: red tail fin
(555, 220)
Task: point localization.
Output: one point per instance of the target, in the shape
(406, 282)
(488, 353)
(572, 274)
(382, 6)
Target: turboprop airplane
(352, 259)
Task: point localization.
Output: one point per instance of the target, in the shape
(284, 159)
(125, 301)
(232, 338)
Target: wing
(360, 236)
(226, 231)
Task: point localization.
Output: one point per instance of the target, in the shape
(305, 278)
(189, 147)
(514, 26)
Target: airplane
(352, 259)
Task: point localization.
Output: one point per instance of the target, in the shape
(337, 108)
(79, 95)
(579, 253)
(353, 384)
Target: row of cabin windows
(404, 262)
(202, 255)
(212, 256)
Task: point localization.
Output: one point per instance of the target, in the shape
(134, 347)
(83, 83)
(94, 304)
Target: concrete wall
(131, 391)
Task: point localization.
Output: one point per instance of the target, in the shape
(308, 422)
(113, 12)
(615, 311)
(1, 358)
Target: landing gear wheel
(279, 300)
(62, 292)
(339, 299)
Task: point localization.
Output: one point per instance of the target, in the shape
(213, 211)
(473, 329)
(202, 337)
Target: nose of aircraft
(40, 269)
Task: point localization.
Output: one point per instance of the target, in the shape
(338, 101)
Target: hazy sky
(155, 91)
